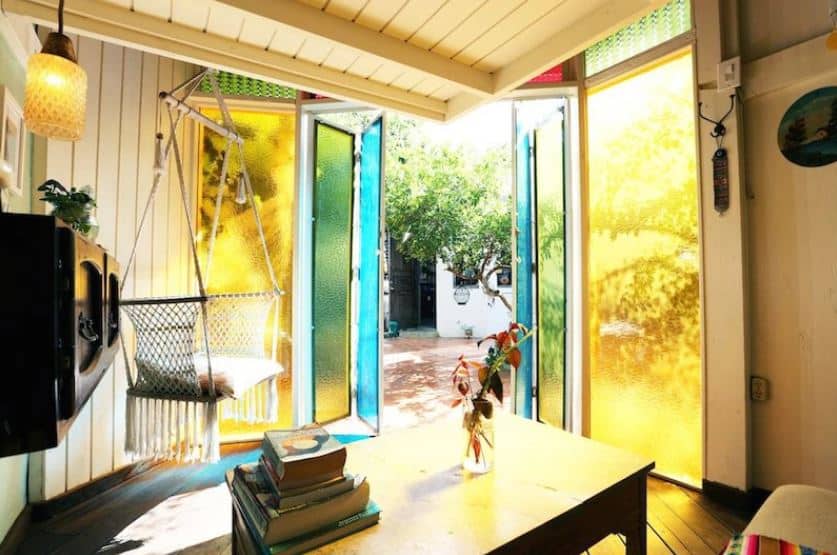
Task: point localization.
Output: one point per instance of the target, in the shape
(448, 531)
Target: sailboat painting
(808, 132)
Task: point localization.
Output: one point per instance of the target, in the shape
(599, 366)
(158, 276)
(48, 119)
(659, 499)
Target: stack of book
(298, 496)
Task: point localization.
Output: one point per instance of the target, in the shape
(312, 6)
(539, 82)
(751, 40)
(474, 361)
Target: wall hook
(720, 129)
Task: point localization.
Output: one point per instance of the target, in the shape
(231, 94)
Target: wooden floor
(186, 509)
(681, 520)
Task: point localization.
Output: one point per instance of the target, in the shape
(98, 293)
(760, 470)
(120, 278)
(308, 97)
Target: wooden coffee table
(550, 492)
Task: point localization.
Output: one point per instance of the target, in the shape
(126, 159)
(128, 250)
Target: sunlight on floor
(191, 523)
(395, 358)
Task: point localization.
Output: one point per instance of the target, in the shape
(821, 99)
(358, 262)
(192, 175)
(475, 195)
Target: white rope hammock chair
(194, 351)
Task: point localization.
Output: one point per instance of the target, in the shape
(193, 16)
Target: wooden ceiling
(431, 58)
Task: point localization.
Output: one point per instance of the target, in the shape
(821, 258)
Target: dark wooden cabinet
(59, 328)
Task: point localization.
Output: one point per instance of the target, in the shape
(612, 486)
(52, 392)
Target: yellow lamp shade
(55, 97)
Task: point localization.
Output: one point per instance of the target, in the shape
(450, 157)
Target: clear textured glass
(549, 177)
(369, 325)
(55, 97)
(478, 438)
(333, 181)
(643, 256)
(270, 154)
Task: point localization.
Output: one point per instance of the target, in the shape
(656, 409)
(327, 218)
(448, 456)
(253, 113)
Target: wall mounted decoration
(12, 140)
(720, 160)
(808, 131)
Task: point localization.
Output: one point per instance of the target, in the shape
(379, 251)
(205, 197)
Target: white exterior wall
(450, 317)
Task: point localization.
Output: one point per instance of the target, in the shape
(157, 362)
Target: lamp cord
(60, 17)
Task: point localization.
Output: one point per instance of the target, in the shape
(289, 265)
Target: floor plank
(712, 531)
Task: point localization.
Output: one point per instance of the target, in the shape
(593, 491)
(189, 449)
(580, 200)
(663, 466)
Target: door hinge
(535, 391)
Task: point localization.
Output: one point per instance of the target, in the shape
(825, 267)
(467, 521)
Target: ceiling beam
(566, 43)
(121, 26)
(313, 21)
(571, 40)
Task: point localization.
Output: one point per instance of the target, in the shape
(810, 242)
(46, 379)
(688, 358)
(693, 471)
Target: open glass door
(370, 320)
(541, 256)
(347, 320)
(333, 180)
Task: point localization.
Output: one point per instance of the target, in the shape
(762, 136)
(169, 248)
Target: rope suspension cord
(174, 355)
(192, 244)
(250, 197)
(161, 158)
(228, 119)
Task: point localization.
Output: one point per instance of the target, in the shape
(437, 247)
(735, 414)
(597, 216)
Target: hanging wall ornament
(720, 160)
(808, 131)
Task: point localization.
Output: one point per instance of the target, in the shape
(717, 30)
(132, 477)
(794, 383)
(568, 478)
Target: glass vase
(478, 436)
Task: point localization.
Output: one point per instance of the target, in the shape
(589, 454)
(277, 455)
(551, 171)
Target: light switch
(729, 74)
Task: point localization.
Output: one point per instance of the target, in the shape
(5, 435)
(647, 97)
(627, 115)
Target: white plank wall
(116, 157)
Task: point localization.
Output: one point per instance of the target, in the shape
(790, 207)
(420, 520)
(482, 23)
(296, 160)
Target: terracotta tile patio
(417, 386)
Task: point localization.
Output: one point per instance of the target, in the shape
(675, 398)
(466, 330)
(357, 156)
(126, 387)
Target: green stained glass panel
(661, 25)
(332, 236)
(232, 84)
(549, 179)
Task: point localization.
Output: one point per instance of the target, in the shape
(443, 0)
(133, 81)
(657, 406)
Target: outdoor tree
(449, 204)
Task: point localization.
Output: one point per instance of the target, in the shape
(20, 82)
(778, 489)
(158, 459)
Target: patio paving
(417, 385)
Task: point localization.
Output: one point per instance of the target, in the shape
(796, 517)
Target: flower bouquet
(478, 420)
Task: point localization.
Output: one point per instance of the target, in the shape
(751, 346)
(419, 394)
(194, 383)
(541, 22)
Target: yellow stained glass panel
(643, 256)
(238, 262)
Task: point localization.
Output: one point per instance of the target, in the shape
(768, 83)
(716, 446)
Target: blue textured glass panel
(524, 305)
(332, 238)
(369, 325)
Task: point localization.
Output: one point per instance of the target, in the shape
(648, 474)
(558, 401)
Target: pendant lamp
(56, 88)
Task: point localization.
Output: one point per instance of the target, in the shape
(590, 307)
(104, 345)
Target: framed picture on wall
(12, 141)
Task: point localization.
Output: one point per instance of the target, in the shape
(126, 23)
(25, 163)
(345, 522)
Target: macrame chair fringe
(162, 429)
(258, 405)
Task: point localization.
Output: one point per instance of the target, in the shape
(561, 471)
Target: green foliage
(445, 203)
(72, 206)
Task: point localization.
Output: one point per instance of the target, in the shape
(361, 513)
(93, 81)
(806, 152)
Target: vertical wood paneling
(116, 158)
(177, 218)
(159, 261)
(85, 161)
(145, 174)
(107, 183)
(127, 214)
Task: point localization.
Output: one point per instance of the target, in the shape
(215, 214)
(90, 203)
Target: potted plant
(73, 206)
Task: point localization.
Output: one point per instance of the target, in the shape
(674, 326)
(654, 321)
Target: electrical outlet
(729, 74)
(759, 388)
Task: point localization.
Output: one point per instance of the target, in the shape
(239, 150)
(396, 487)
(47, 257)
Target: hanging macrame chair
(195, 351)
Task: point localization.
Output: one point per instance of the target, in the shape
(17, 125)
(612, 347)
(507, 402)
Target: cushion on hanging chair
(234, 375)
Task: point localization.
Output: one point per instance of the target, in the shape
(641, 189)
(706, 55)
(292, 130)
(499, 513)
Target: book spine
(250, 505)
(251, 530)
(269, 454)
